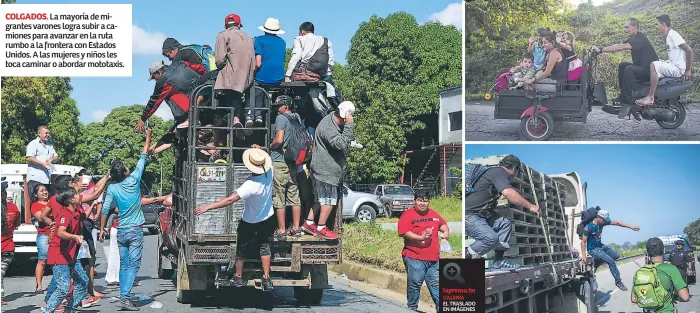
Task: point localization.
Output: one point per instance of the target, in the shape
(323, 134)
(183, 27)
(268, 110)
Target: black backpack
(587, 216)
(298, 148)
(319, 61)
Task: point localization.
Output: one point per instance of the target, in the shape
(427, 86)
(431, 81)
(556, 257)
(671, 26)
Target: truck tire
(163, 273)
(306, 296)
(183, 296)
(589, 296)
(387, 211)
(365, 214)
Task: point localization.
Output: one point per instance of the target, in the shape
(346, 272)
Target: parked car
(150, 213)
(361, 206)
(670, 245)
(395, 198)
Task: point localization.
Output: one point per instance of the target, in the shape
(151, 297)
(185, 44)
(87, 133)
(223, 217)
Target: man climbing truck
(203, 246)
(551, 276)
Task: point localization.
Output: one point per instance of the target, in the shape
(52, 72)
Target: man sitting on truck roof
(256, 223)
(486, 227)
(172, 51)
(668, 276)
(591, 241)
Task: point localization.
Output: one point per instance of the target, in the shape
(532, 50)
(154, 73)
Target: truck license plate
(211, 173)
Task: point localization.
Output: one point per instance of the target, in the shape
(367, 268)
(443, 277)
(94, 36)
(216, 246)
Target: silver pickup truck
(395, 198)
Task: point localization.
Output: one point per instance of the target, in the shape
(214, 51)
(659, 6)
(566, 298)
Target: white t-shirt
(42, 152)
(676, 55)
(257, 193)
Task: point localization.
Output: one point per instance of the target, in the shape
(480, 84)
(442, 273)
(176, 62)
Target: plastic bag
(445, 246)
(84, 252)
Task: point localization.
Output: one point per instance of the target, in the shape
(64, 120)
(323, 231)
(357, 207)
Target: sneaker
(309, 229)
(60, 308)
(267, 284)
(295, 233)
(90, 301)
(259, 120)
(126, 305)
(236, 281)
(621, 286)
(356, 145)
(503, 265)
(237, 124)
(279, 236)
(327, 234)
(248, 124)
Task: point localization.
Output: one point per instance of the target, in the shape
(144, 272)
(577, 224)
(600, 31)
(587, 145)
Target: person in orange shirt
(10, 221)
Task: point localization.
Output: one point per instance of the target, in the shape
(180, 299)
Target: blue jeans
(418, 271)
(490, 233)
(607, 255)
(62, 275)
(130, 241)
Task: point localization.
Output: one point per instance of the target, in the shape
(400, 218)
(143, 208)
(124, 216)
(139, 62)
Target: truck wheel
(677, 108)
(365, 214)
(589, 295)
(306, 296)
(183, 296)
(387, 212)
(537, 128)
(162, 273)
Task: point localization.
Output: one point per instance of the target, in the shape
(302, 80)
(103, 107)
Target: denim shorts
(326, 194)
(42, 246)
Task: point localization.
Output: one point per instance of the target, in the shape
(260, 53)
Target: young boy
(63, 249)
(525, 70)
(257, 223)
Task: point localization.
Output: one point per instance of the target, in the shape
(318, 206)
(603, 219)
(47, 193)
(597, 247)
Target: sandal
(279, 236)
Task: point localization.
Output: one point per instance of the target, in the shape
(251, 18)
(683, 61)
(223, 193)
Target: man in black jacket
(681, 259)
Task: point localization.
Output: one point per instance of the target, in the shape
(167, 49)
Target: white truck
(16, 175)
(552, 277)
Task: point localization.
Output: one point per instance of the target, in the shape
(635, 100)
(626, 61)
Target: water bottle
(445, 246)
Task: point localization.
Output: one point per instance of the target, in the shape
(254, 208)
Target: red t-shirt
(43, 228)
(428, 250)
(63, 251)
(8, 245)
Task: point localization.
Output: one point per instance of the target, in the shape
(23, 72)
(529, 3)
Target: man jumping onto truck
(257, 221)
(490, 230)
(591, 241)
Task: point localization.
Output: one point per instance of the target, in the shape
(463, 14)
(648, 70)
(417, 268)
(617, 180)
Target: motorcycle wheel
(677, 108)
(538, 127)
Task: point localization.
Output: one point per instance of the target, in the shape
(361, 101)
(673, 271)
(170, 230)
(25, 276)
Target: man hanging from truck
(591, 241)
(681, 259)
(490, 230)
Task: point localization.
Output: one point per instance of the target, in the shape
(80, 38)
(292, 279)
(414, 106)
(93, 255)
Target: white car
(361, 206)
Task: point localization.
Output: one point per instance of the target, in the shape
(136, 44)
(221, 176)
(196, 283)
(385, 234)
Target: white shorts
(667, 69)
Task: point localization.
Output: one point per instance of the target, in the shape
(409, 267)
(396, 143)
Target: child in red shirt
(10, 221)
(63, 249)
(422, 229)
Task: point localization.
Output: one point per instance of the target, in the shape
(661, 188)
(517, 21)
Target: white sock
(321, 227)
(309, 223)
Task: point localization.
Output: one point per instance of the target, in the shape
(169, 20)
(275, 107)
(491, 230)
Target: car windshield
(398, 190)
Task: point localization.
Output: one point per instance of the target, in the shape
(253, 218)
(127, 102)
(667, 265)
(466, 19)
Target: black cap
(655, 247)
(510, 161)
(170, 43)
(679, 242)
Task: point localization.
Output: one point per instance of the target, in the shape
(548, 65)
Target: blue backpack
(206, 53)
(472, 172)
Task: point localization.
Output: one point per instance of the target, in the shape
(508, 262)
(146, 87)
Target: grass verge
(449, 208)
(369, 244)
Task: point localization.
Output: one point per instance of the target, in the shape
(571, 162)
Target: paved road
(481, 126)
(455, 227)
(345, 296)
(612, 300)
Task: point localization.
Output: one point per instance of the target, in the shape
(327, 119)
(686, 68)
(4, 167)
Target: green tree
(115, 138)
(395, 69)
(693, 232)
(29, 102)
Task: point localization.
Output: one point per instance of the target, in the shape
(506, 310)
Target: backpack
(587, 216)
(206, 53)
(319, 61)
(298, 148)
(472, 172)
(647, 288)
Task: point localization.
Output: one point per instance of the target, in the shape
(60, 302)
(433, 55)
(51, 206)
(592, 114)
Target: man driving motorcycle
(643, 54)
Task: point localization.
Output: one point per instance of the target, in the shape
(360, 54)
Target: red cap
(232, 19)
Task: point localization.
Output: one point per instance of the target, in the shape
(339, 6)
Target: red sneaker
(310, 229)
(327, 234)
(90, 301)
(60, 308)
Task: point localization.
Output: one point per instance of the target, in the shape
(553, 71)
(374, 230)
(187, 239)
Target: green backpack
(647, 288)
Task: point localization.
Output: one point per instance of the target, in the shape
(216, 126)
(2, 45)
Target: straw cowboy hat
(257, 160)
(272, 26)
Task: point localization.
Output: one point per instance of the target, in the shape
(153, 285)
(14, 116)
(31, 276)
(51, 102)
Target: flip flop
(645, 101)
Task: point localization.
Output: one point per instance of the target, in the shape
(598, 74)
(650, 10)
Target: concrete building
(450, 116)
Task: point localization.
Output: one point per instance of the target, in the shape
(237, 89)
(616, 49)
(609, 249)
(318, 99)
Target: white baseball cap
(345, 107)
(604, 215)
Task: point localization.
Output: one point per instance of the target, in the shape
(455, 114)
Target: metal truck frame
(547, 246)
(202, 249)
